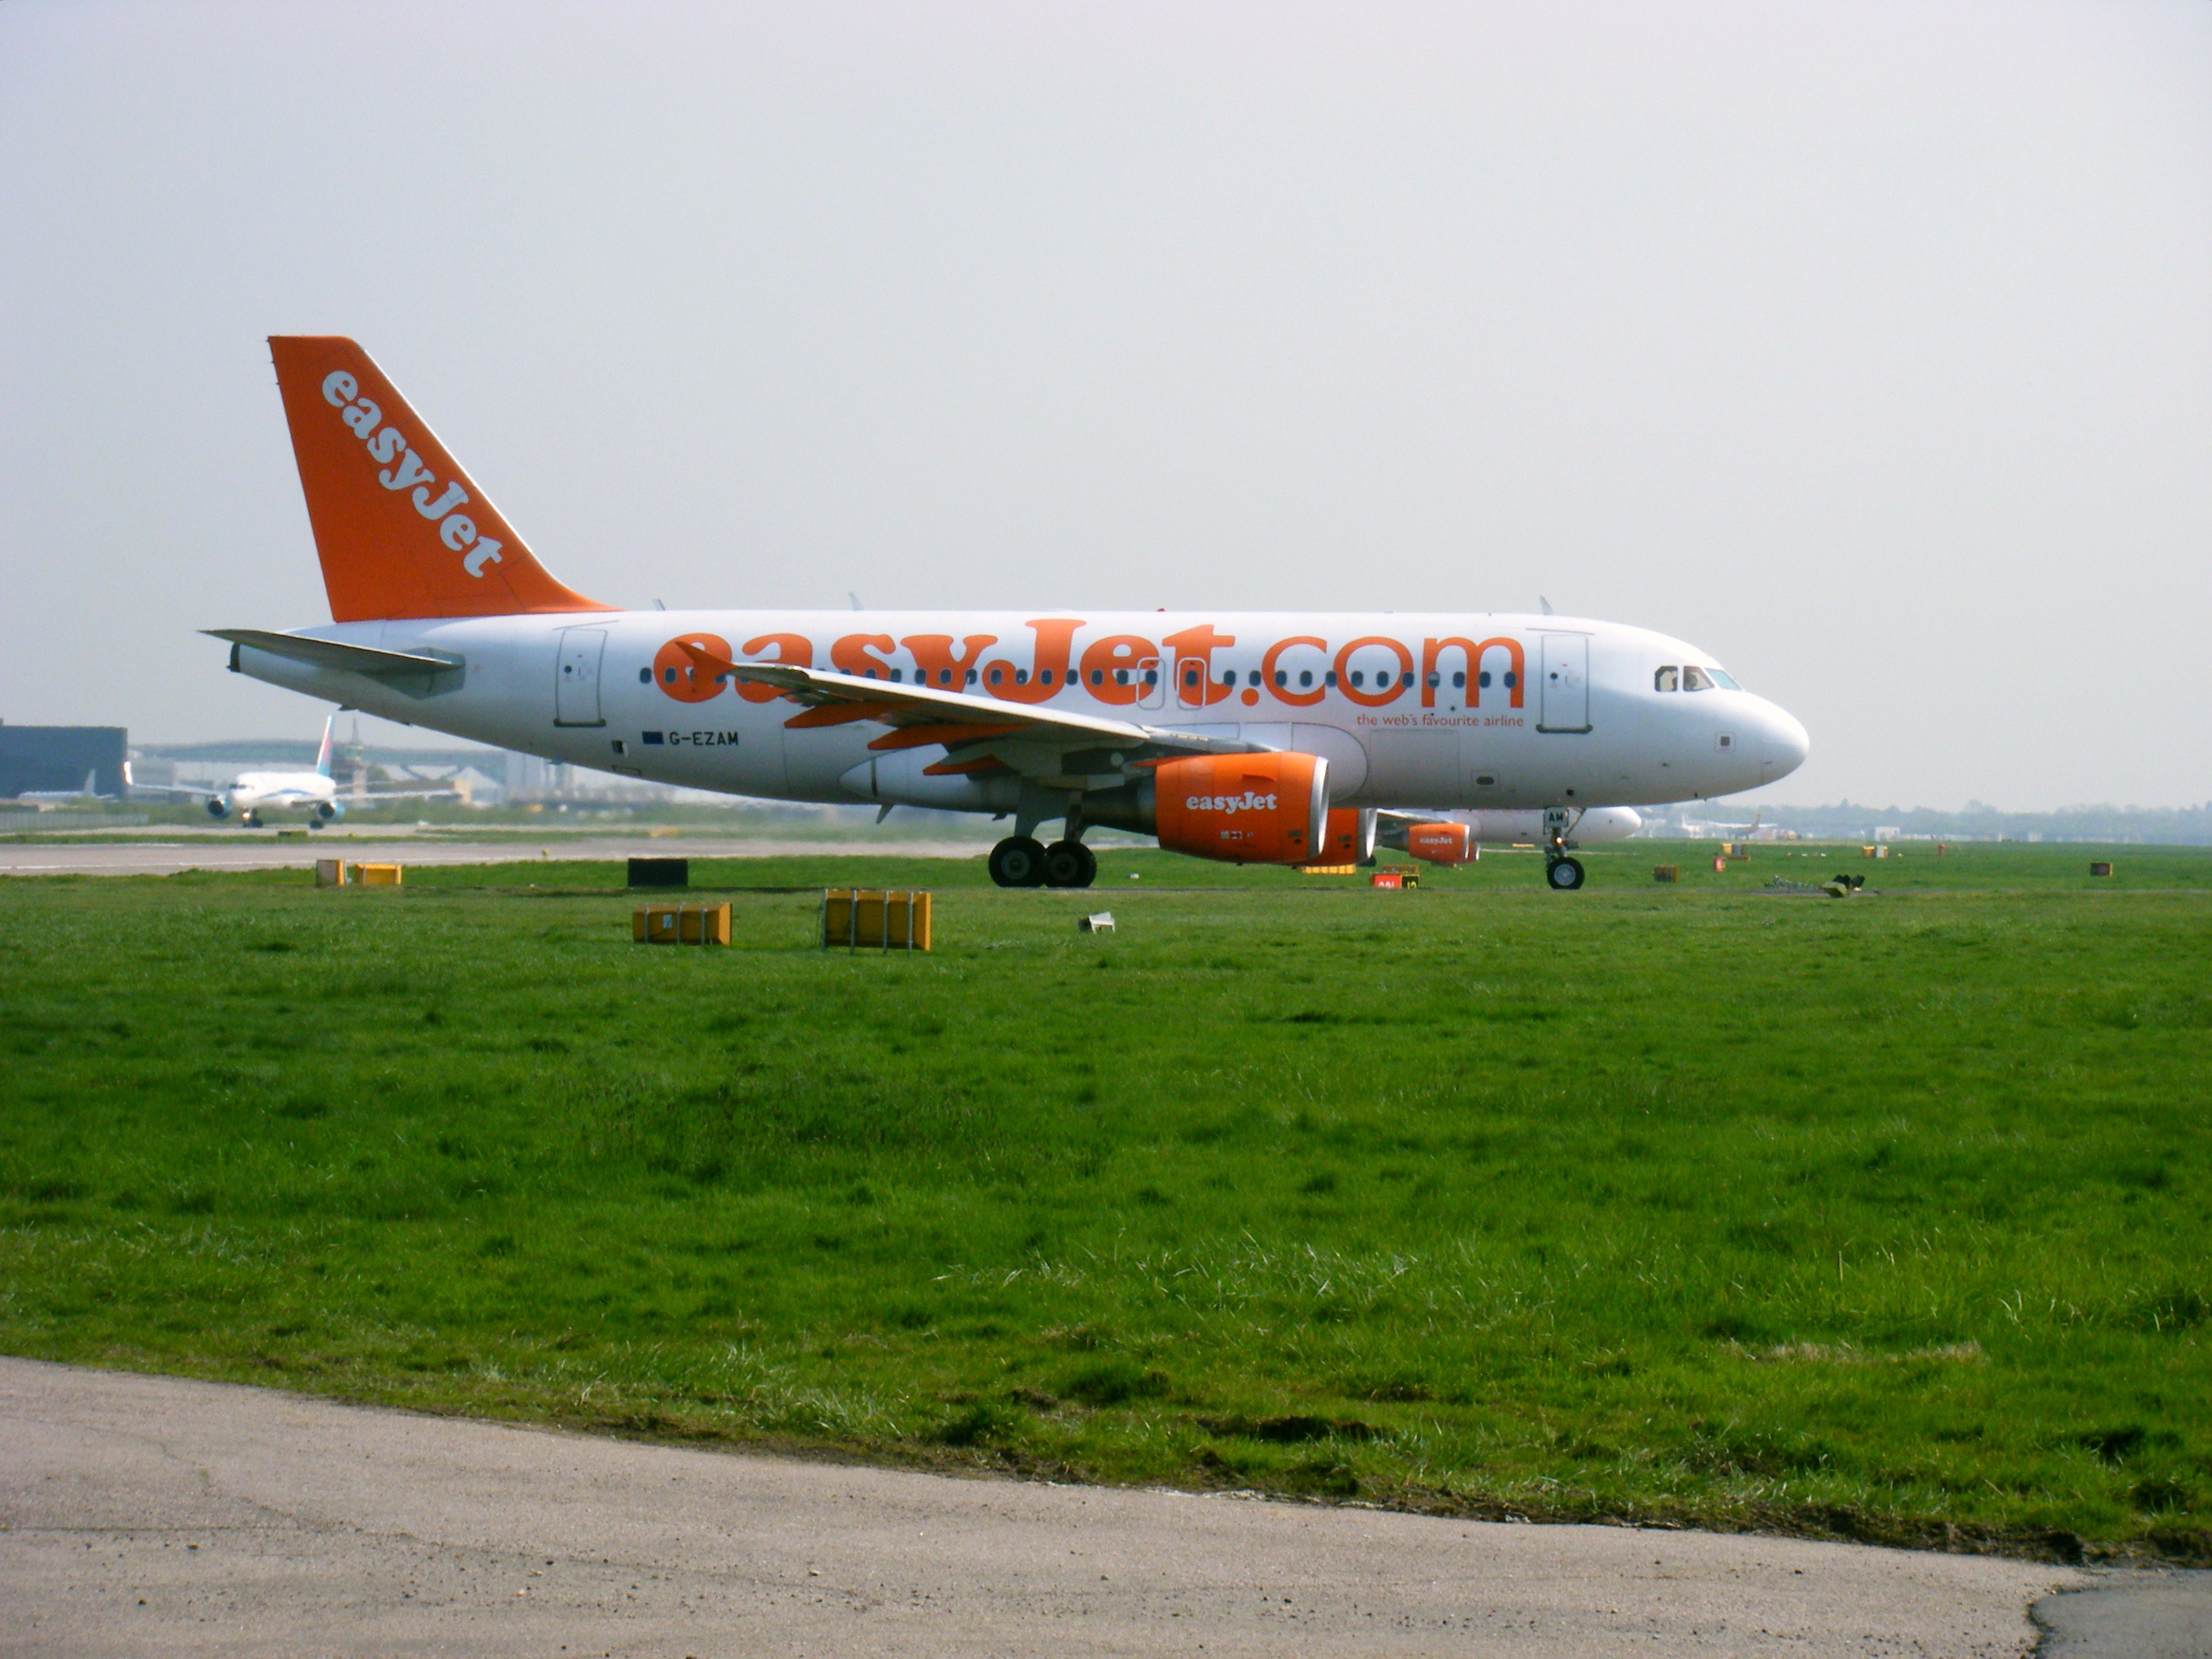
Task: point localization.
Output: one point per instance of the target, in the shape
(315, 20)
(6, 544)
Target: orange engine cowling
(1243, 809)
(1350, 837)
(1441, 843)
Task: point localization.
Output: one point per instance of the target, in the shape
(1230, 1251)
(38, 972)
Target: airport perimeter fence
(15, 822)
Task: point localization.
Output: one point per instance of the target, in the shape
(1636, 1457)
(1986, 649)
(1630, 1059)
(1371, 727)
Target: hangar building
(57, 757)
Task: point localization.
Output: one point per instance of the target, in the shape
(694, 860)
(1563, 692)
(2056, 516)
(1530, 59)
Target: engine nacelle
(1239, 809)
(1243, 809)
(1442, 843)
(218, 807)
(1349, 838)
(329, 810)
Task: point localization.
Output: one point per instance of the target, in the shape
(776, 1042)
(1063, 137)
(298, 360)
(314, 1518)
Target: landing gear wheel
(1565, 875)
(1070, 863)
(1017, 862)
(250, 821)
(314, 823)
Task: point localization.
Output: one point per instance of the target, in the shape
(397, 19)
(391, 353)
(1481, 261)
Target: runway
(147, 1516)
(95, 856)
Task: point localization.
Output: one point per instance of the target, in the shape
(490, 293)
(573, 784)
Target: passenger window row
(1665, 681)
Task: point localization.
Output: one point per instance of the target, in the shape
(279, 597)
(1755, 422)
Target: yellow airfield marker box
(680, 924)
(863, 919)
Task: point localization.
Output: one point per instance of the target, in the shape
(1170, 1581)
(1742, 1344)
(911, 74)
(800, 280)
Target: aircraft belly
(816, 758)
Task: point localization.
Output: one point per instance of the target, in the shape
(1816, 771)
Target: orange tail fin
(401, 530)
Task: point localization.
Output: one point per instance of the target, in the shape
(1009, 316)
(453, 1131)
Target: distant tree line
(2166, 826)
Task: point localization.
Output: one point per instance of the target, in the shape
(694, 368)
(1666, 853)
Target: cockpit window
(1667, 680)
(1696, 679)
(1722, 678)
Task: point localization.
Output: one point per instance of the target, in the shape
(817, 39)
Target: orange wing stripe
(840, 713)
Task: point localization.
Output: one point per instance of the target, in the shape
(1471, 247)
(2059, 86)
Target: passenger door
(1564, 687)
(576, 677)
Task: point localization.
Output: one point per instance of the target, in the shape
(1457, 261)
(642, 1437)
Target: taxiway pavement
(97, 856)
(146, 1516)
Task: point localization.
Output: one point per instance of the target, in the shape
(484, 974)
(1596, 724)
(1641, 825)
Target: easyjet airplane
(1249, 737)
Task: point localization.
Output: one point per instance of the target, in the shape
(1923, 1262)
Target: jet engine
(1442, 843)
(218, 807)
(1238, 809)
(1350, 837)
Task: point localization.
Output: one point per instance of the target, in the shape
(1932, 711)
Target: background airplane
(250, 794)
(48, 799)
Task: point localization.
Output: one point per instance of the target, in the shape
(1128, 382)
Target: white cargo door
(1418, 767)
(576, 677)
(1566, 685)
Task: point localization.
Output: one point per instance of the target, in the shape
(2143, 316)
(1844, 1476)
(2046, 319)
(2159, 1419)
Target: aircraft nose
(1785, 741)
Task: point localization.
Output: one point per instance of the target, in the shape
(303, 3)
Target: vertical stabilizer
(401, 530)
(323, 755)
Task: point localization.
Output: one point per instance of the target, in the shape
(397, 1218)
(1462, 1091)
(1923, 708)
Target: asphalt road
(98, 856)
(148, 1517)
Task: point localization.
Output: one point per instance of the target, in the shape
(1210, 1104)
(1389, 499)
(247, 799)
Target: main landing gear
(1023, 861)
(1562, 873)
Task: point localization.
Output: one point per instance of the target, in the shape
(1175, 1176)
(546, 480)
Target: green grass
(1884, 1218)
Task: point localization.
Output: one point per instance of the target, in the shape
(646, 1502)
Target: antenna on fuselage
(1546, 603)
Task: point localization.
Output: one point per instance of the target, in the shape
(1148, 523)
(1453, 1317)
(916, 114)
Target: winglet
(401, 530)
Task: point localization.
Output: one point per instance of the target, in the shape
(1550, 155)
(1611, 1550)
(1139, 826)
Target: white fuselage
(261, 791)
(1470, 711)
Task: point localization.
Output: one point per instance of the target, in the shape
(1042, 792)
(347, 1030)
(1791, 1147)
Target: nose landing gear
(1562, 874)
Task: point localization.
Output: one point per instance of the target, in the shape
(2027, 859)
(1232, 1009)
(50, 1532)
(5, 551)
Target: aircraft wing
(978, 733)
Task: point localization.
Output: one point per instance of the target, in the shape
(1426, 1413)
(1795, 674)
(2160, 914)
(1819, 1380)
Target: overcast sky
(1868, 346)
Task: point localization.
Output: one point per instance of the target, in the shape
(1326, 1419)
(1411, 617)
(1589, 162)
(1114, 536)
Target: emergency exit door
(576, 677)
(1566, 685)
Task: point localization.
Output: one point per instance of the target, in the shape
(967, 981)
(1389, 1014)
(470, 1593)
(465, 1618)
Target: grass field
(1884, 1218)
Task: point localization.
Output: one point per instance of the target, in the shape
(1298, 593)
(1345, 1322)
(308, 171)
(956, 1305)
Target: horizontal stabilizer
(333, 653)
